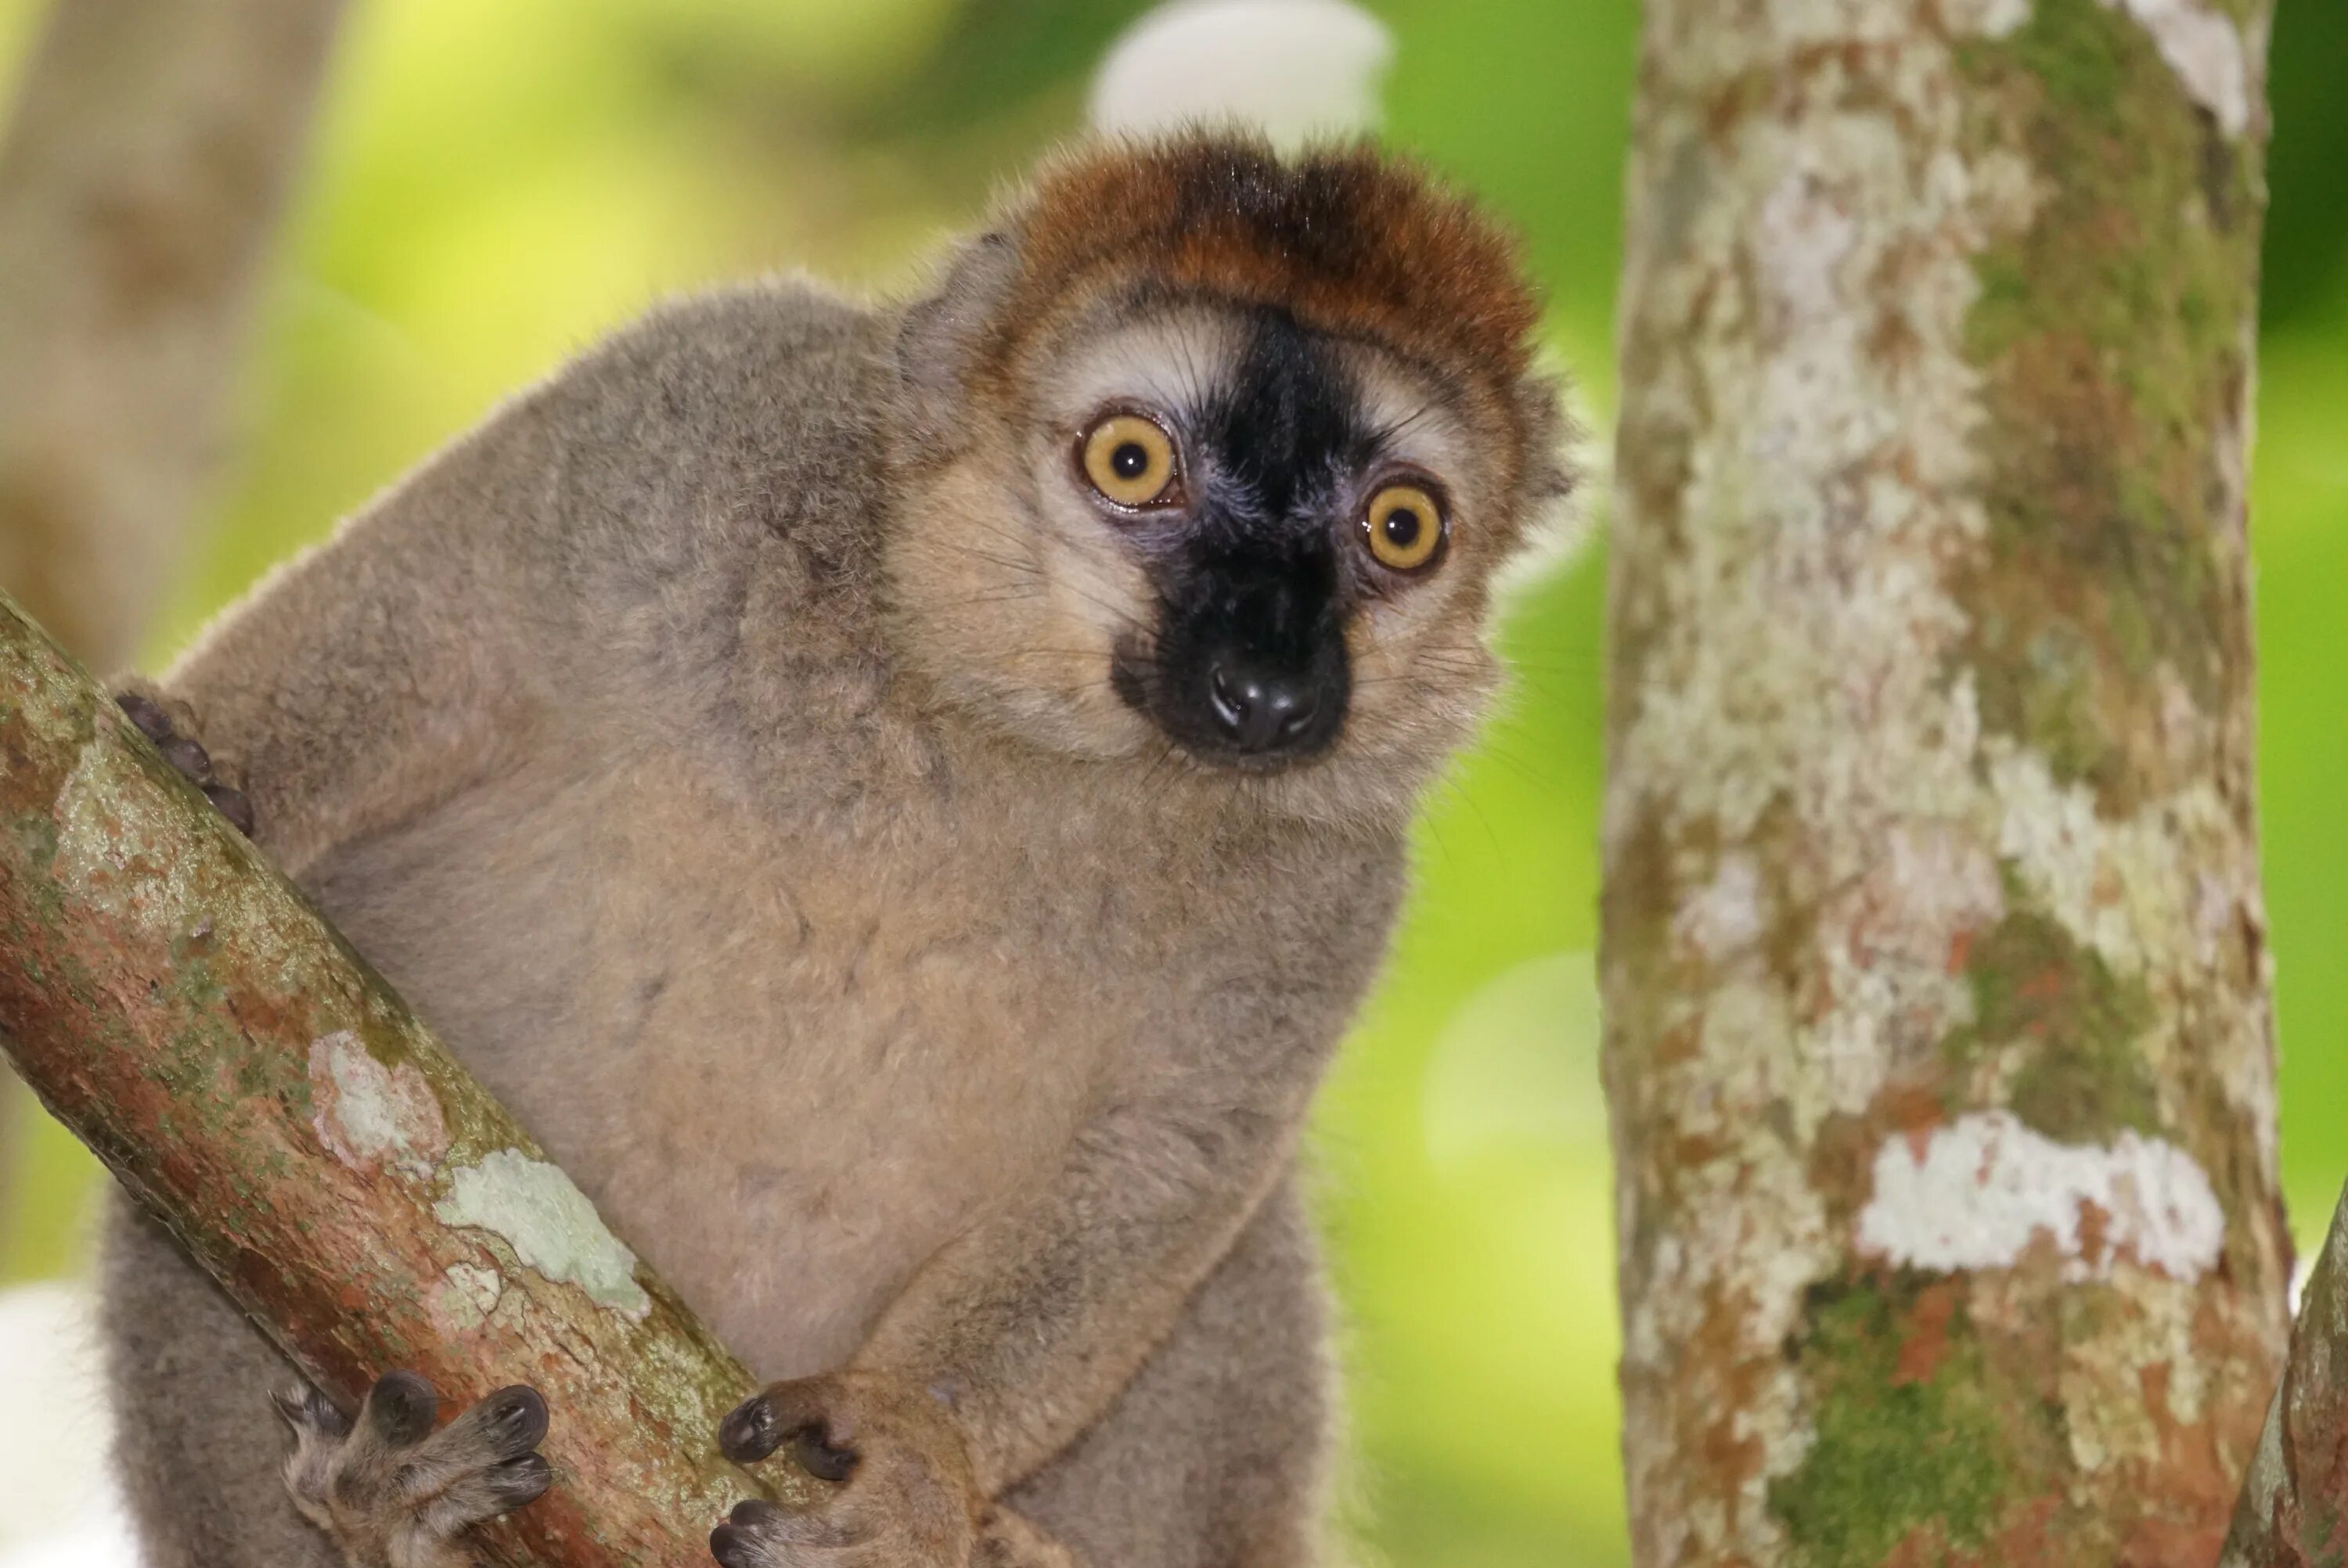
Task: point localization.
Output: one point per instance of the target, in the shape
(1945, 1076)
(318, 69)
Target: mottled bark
(1938, 1038)
(190, 1016)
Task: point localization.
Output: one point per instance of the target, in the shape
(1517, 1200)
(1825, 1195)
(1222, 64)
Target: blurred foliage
(499, 181)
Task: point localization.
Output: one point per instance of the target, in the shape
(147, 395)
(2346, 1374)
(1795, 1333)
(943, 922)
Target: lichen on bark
(1929, 835)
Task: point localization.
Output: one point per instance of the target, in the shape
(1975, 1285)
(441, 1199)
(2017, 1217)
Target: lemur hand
(170, 731)
(904, 1494)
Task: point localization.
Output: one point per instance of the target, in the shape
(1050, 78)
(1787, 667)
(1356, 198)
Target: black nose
(1258, 709)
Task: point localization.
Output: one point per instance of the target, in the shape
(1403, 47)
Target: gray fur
(908, 1049)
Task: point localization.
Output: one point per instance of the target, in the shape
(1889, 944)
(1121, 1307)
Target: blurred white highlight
(58, 1507)
(1293, 69)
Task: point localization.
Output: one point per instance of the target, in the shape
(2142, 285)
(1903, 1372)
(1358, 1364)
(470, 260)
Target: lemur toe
(749, 1537)
(400, 1410)
(751, 1430)
(146, 713)
(309, 1413)
(232, 804)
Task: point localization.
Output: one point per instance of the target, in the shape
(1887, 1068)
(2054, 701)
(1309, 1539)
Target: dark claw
(306, 1410)
(751, 1512)
(515, 1420)
(520, 1480)
(820, 1458)
(402, 1406)
(233, 805)
(147, 714)
(727, 1545)
(750, 1432)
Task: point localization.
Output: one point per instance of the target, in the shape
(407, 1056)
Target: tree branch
(184, 1009)
(2295, 1497)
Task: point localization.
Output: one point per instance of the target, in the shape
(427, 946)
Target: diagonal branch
(186, 1012)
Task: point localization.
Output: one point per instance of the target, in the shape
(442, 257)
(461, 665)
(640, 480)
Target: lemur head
(1208, 455)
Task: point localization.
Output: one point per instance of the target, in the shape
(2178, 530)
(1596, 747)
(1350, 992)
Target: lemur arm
(1029, 1325)
(1020, 1333)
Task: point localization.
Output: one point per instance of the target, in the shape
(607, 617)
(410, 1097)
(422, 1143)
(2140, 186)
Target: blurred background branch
(146, 162)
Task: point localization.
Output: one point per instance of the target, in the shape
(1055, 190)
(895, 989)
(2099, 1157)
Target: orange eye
(1403, 525)
(1129, 460)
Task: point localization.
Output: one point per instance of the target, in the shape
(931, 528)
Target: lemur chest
(788, 1066)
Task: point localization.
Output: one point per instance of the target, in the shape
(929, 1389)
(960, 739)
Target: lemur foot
(168, 730)
(391, 1490)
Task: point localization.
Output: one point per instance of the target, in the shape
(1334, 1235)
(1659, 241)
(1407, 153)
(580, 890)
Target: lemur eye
(1130, 461)
(1404, 526)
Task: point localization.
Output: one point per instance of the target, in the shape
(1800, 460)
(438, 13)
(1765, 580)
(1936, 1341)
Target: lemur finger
(233, 805)
(468, 1499)
(822, 1438)
(399, 1411)
(146, 713)
(168, 727)
(183, 751)
(310, 1413)
(509, 1423)
(757, 1534)
(319, 1431)
(498, 1429)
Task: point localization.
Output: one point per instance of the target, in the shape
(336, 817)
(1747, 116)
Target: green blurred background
(496, 182)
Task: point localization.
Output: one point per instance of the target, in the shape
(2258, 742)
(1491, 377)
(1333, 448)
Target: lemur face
(1239, 531)
(1280, 495)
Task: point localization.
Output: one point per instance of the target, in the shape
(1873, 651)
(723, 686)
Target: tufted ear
(939, 344)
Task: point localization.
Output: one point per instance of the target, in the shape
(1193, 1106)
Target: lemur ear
(938, 345)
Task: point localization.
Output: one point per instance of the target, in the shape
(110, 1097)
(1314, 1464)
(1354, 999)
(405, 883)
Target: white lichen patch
(1987, 18)
(2205, 48)
(463, 1297)
(368, 1114)
(535, 1209)
(1984, 1189)
(1727, 914)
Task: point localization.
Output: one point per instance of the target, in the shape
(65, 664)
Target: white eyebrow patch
(1175, 360)
(1413, 422)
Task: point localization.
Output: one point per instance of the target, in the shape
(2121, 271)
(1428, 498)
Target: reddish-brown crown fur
(1349, 240)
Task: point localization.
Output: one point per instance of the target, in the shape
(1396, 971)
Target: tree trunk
(249, 1078)
(1939, 1041)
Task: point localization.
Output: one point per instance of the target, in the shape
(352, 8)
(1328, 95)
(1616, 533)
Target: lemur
(903, 800)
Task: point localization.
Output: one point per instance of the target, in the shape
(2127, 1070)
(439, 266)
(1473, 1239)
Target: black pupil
(1131, 460)
(1402, 528)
